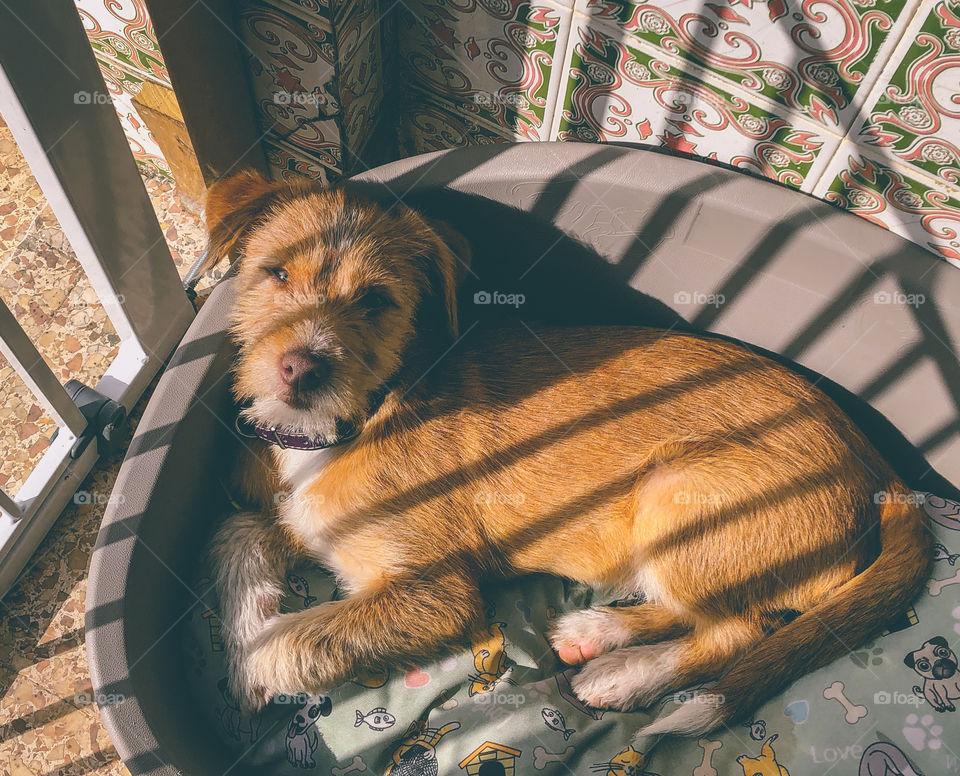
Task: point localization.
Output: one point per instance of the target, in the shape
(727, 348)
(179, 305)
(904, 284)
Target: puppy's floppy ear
(445, 254)
(453, 257)
(940, 641)
(234, 206)
(910, 661)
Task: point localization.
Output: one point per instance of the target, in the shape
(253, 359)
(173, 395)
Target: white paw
(243, 689)
(290, 657)
(587, 633)
(627, 678)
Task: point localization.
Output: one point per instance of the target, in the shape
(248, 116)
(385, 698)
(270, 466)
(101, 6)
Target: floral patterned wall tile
(308, 10)
(288, 164)
(913, 113)
(360, 82)
(291, 65)
(919, 208)
(356, 28)
(494, 57)
(121, 33)
(433, 125)
(311, 9)
(626, 92)
(814, 58)
(122, 87)
(317, 87)
(126, 49)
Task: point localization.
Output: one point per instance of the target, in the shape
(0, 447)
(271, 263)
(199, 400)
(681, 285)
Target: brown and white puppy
(726, 488)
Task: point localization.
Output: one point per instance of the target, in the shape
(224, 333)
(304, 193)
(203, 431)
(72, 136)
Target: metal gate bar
(56, 104)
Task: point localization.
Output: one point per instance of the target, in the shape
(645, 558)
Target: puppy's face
(934, 660)
(334, 292)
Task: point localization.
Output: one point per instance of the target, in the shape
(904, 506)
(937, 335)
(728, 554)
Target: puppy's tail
(851, 615)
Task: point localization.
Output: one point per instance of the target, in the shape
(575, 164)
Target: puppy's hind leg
(583, 635)
(635, 677)
(250, 555)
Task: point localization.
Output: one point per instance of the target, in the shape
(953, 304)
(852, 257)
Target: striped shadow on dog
(766, 534)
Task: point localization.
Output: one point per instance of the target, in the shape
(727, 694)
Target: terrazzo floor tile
(24, 429)
(46, 289)
(49, 723)
(21, 200)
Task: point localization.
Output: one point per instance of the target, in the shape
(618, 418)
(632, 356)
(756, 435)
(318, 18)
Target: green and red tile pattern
(855, 101)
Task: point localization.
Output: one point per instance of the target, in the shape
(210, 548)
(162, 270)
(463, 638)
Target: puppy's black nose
(303, 371)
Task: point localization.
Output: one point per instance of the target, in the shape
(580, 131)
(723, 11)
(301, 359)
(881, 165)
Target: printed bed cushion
(503, 709)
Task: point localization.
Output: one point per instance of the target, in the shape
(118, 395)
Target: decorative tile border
(847, 99)
(317, 87)
(493, 57)
(913, 206)
(360, 83)
(914, 114)
(623, 91)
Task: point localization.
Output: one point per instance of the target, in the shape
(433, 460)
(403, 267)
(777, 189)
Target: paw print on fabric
(865, 658)
(921, 732)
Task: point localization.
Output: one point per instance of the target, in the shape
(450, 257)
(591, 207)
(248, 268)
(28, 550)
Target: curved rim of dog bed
(581, 173)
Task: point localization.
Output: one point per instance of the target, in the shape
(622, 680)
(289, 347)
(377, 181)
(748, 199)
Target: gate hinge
(105, 419)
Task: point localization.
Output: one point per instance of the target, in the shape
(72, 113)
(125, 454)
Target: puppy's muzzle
(302, 373)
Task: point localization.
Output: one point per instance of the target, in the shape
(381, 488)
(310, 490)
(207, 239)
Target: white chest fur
(306, 512)
(303, 510)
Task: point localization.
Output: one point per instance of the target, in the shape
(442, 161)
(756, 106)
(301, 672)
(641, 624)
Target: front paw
(242, 687)
(291, 656)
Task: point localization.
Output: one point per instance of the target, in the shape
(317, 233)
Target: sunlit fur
(728, 489)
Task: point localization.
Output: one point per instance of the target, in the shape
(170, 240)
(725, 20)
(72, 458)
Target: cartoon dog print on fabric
(417, 753)
(626, 762)
(937, 664)
(490, 661)
(764, 765)
(302, 736)
(238, 725)
(882, 758)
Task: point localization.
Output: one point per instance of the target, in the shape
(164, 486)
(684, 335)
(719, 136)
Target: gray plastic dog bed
(578, 234)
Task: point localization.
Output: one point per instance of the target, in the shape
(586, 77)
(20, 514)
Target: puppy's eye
(375, 300)
(923, 665)
(279, 273)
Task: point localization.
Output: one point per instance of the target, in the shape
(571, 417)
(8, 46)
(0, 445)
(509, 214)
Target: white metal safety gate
(80, 158)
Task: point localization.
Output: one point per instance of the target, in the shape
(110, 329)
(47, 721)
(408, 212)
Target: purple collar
(345, 431)
(289, 440)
